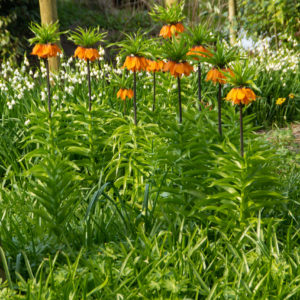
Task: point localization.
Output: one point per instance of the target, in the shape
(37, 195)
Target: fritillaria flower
(86, 41)
(241, 77)
(45, 39)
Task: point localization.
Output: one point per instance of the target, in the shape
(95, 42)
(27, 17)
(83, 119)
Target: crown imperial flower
(168, 30)
(45, 50)
(86, 53)
(123, 93)
(241, 95)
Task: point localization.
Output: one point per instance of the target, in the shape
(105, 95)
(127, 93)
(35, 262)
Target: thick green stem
(134, 98)
(89, 83)
(48, 87)
(220, 109)
(199, 85)
(179, 100)
(154, 90)
(241, 130)
(124, 107)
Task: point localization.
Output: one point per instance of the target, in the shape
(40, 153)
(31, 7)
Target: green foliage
(94, 207)
(199, 35)
(175, 49)
(222, 55)
(87, 38)
(121, 81)
(243, 74)
(276, 19)
(168, 15)
(136, 44)
(45, 34)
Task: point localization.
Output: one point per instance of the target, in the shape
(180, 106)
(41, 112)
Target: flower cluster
(154, 66)
(241, 95)
(123, 93)
(45, 51)
(178, 69)
(135, 63)
(280, 101)
(167, 31)
(216, 76)
(86, 53)
(198, 51)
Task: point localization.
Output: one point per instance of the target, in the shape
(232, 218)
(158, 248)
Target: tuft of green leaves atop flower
(199, 36)
(87, 38)
(168, 15)
(242, 74)
(175, 49)
(122, 81)
(222, 56)
(45, 34)
(136, 44)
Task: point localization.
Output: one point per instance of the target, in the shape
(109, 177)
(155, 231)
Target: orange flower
(177, 69)
(135, 63)
(86, 53)
(196, 51)
(216, 76)
(123, 93)
(168, 30)
(154, 66)
(45, 50)
(241, 95)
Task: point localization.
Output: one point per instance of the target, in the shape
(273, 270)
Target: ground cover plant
(129, 192)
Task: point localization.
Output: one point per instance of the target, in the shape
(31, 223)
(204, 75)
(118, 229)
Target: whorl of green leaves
(199, 35)
(87, 38)
(135, 44)
(243, 74)
(222, 56)
(175, 49)
(123, 81)
(168, 15)
(45, 34)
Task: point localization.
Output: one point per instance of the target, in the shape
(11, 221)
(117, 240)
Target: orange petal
(119, 93)
(179, 27)
(130, 93)
(240, 94)
(179, 68)
(165, 32)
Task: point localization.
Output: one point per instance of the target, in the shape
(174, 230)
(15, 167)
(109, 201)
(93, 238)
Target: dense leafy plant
(94, 207)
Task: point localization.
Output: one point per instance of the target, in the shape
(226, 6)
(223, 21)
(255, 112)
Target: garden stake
(241, 130)
(134, 97)
(199, 85)
(48, 87)
(89, 83)
(179, 100)
(154, 90)
(219, 109)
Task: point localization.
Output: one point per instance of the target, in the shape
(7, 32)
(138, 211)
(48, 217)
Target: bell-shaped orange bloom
(123, 93)
(241, 95)
(216, 76)
(154, 66)
(135, 63)
(199, 51)
(86, 53)
(177, 69)
(45, 50)
(168, 30)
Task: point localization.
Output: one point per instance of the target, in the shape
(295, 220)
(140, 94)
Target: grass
(94, 207)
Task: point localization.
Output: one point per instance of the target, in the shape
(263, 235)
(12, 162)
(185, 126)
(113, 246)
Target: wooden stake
(48, 11)
(231, 19)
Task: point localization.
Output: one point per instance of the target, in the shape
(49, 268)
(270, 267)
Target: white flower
(27, 122)
(43, 96)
